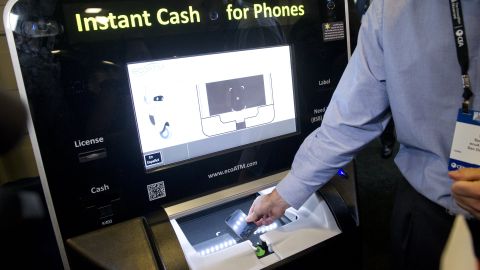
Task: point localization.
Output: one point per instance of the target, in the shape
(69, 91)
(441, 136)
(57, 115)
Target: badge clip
(465, 106)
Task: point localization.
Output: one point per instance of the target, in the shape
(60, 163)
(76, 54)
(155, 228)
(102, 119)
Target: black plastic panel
(78, 93)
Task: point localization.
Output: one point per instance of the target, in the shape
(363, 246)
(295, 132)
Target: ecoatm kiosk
(152, 121)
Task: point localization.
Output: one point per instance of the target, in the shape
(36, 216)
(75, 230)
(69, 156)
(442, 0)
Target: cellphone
(237, 223)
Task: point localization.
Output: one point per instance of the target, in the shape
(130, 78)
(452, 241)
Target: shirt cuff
(293, 191)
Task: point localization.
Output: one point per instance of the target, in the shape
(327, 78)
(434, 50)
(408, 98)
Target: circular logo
(459, 33)
(456, 166)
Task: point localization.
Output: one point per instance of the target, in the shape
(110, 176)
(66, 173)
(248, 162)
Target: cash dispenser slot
(207, 244)
(194, 234)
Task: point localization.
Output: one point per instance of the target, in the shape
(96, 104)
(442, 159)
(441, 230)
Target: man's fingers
(269, 220)
(250, 211)
(467, 189)
(252, 216)
(470, 205)
(467, 196)
(465, 174)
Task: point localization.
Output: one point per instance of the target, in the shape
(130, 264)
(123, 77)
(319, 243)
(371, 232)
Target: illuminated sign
(82, 21)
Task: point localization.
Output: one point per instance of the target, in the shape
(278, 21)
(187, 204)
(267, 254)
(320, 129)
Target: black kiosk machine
(155, 124)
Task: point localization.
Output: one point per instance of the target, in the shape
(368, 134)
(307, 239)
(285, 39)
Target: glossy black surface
(78, 91)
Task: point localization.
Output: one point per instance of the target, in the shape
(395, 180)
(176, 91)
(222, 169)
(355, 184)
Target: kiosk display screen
(193, 106)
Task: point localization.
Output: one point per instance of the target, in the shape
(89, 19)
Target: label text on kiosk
(263, 11)
(122, 21)
(80, 143)
(103, 188)
(189, 15)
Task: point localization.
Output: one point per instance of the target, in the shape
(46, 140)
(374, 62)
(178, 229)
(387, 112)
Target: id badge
(466, 141)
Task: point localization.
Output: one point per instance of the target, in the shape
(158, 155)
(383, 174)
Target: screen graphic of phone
(237, 223)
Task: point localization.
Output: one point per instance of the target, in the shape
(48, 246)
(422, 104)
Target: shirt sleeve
(357, 113)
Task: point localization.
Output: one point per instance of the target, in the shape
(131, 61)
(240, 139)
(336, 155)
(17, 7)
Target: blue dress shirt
(405, 60)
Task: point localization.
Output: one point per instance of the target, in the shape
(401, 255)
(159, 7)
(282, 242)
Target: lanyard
(462, 50)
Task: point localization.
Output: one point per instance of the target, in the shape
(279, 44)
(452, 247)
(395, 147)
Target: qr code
(156, 191)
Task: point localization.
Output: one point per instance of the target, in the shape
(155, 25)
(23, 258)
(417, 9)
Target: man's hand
(466, 189)
(267, 208)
